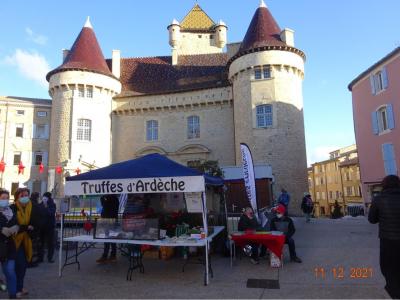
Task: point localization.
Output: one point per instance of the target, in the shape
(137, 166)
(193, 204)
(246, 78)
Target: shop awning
(153, 173)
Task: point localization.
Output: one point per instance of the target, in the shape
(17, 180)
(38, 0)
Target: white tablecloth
(167, 242)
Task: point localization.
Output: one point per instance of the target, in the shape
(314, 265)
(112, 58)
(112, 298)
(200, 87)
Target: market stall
(151, 174)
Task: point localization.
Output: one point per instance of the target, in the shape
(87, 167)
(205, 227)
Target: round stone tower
(267, 74)
(82, 89)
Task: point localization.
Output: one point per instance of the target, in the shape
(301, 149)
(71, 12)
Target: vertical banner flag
(249, 177)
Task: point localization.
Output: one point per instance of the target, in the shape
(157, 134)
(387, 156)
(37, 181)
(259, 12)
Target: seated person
(285, 224)
(249, 222)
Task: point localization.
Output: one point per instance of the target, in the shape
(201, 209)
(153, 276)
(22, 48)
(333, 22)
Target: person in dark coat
(8, 228)
(35, 199)
(285, 224)
(47, 233)
(110, 204)
(249, 222)
(29, 221)
(307, 206)
(385, 210)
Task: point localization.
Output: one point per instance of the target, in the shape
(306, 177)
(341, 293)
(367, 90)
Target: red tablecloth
(274, 243)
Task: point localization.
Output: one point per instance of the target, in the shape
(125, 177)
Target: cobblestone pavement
(327, 244)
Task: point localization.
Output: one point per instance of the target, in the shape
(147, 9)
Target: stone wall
(213, 106)
(282, 145)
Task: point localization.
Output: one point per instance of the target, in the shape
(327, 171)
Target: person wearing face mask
(28, 219)
(47, 232)
(8, 228)
(285, 224)
(249, 222)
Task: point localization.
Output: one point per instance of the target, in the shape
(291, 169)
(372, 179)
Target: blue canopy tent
(153, 173)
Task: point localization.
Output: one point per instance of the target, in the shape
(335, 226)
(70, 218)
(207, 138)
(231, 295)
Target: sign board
(136, 186)
(194, 202)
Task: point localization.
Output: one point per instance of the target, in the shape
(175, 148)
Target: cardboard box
(153, 253)
(166, 252)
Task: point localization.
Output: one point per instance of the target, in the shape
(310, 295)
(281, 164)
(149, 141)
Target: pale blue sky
(340, 38)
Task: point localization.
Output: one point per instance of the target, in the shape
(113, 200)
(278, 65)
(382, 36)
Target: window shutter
(390, 116)
(389, 159)
(33, 131)
(30, 185)
(46, 131)
(372, 80)
(33, 158)
(45, 158)
(385, 79)
(375, 125)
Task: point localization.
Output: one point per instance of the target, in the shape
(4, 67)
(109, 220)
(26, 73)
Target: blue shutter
(385, 79)
(375, 125)
(372, 80)
(390, 116)
(389, 159)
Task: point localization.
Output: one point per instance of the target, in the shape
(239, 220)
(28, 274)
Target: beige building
(198, 104)
(336, 179)
(24, 134)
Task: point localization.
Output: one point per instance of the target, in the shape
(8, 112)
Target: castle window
(264, 116)
(20, 112)
(89, 92)
(42, 114)
(257, 73)
(84, 131)
(267, 72)
(81, 92)
(152, 130)
(193, 123)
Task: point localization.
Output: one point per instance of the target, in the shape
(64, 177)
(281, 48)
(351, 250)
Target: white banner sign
(248, 175)
(135, 186)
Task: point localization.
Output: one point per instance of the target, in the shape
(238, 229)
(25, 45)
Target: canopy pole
(61, 245)
(205, 226)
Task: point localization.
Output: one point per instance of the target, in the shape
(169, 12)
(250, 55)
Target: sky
(341, 39)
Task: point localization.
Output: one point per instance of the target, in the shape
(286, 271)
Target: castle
(198, 104)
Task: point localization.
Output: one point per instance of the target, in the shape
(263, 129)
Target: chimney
(116, 63)
(65, 54)
(287, 36)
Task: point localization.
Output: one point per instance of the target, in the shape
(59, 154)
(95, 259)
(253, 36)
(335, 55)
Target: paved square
(328, 244)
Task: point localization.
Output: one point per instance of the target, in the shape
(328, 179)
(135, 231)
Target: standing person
(249, 222)
(28, 219)
(285, 224)
(284, 199)
(385, 210)
(8, 228)
(110, 204)
(307, 206)
(47, 232)
(35, 199)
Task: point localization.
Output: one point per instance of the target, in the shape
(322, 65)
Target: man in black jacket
(47, 232)
(385, 210)
(249, 222)
(110, 204)
(285, 224)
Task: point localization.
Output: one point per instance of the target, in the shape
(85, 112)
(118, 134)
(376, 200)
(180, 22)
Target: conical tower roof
(263, 31)
(85, 55)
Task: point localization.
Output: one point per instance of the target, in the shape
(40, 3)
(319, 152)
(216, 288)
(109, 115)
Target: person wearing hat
(307, 206)
(285, 224)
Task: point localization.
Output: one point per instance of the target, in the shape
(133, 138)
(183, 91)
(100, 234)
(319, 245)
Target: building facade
(24, 134)
(376, 110)
(197, 104)
(336, 179)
